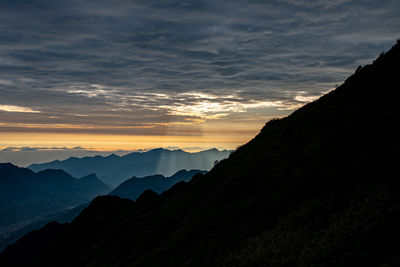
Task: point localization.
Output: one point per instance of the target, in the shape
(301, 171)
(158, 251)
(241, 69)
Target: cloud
(137, 67)
(9, 149)
(206, 106)
(28, 148)
(12, 108)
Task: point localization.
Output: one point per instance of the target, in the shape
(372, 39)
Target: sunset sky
(110, 75)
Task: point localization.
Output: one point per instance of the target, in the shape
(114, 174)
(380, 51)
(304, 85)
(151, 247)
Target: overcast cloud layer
(135, 67)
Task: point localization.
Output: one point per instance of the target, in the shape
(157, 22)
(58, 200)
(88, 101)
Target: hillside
(15, 233)
(317, 188)
(133, 187)
(115, 169)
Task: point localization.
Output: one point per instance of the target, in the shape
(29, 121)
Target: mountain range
(26, 196)
(320, 187)
(19, 230)
(114, 169)
(134, 187)
(38, 192)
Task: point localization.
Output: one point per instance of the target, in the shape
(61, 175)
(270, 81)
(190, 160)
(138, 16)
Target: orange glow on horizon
(227, 134)
(109, 142)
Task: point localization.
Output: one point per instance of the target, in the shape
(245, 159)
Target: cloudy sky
(134, 74)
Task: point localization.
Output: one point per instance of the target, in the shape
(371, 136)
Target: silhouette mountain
(133, 187)
(114, 169)
(317, 188)
(27, 197)
(64, 216)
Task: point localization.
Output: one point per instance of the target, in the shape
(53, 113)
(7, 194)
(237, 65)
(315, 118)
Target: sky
(125, 75)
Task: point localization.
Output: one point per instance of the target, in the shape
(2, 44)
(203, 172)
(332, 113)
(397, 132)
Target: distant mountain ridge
(26, 196)
(134, 187)
(114, 169)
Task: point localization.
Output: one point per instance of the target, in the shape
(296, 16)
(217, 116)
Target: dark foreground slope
(318, 188)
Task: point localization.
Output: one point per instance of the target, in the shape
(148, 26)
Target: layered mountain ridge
(27, 197)
(134, 187)
(114, 169)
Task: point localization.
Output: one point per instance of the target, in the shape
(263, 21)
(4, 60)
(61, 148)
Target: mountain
(133, 187)
(320, 187)
(114, 169)
(61, 217)
(27, 197)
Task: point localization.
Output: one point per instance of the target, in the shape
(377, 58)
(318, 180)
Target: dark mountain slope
(66, 215)
(133, 187)
(113, 169)
(318, 188)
